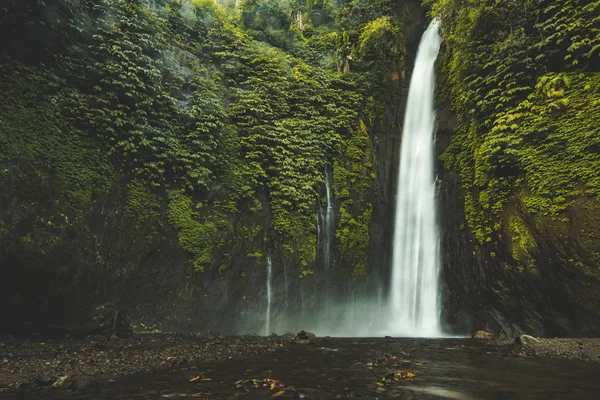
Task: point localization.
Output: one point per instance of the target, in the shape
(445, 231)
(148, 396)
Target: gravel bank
(92, 360)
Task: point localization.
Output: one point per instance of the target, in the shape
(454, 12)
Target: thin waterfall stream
(414, 299)
(269, 295)
(328, 221)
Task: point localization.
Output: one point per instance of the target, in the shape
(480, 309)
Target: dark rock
(25, 385)
(45, 380)
(305, 335)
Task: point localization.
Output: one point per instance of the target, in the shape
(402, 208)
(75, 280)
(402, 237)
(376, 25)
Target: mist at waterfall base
(412, 307)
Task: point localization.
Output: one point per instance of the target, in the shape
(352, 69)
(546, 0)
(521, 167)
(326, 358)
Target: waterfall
(328, 222)
(269, 296)
(414, 287)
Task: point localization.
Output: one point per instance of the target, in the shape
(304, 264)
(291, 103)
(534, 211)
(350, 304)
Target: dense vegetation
(187, 118)
(523, 78)
(156, 151)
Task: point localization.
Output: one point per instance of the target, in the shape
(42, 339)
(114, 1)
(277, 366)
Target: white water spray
(269, 296)
(414, 301)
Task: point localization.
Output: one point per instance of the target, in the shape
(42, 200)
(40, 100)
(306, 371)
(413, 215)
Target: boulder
(305, 335)
(45, 380)
(63, 382)
(482, 335)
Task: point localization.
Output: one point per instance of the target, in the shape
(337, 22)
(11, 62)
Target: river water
(354, 369)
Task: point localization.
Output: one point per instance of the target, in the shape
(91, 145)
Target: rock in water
(482, 335)
(44, 380)
(525, 340)
(63, 382)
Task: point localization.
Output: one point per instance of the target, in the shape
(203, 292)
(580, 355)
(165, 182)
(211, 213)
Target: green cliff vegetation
(189, 121)
(523, 79)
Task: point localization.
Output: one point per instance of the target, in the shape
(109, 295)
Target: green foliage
(353, 180)
(378, 41)
(198, 238)
(226, 119)
(35, 135)
(143, 207)
(523, 80)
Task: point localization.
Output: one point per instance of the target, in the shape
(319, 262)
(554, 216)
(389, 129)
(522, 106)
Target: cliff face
(155, 153)
(519, 133)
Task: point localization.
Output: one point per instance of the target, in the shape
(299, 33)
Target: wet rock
(482, 335)
(25, 385)
(45, 380)
(525, 340)
(305, 335)
(63, 382)
(288, 335)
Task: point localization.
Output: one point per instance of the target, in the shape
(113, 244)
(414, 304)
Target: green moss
(36, 135)
(142, 206)
(353, 180)
(526, 114)
(178, 95)
(521, 243)
(194, 236)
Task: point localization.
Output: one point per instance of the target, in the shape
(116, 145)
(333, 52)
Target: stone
(45, 380)
(63, 382)
(525, 340)
(482, 335)
(305, 335)
(288, 335)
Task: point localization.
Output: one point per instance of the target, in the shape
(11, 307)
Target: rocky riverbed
(572, 349)
(99, 365)
(96, 359)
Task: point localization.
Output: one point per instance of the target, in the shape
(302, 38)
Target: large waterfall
(414, 303)
(412, 307)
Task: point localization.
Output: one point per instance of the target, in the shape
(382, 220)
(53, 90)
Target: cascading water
(328, 221)
(412, 307)
(414, 287)
(269, 296)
